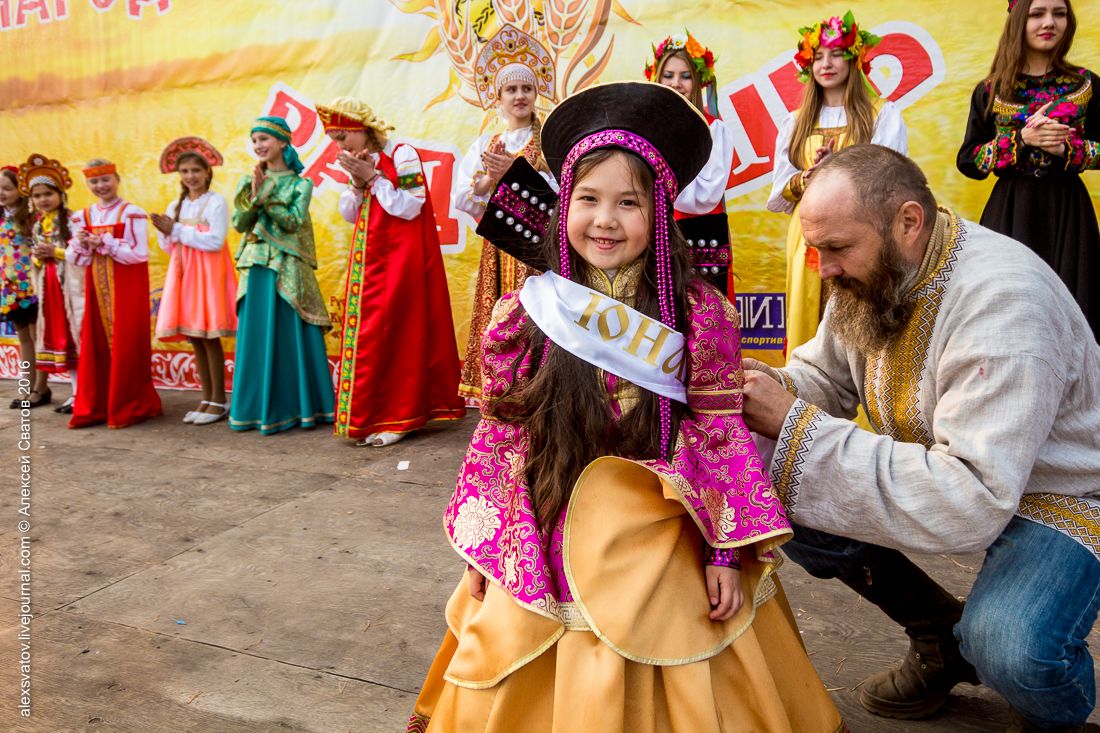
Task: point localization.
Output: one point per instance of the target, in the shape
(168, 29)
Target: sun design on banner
(572, 31)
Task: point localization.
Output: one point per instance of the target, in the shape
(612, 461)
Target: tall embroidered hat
(40, 169)
(351, 115)
(834, 33)
(658, 125)
(512, 55)
(169, 159)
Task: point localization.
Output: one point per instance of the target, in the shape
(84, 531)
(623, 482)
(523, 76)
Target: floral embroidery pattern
(477, 522)
(16, 286)
(1069, 99)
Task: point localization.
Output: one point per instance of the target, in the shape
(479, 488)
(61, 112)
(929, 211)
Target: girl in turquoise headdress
(282, 377)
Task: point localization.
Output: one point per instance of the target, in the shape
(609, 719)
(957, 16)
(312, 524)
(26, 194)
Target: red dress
(399, 363)
(114, 371)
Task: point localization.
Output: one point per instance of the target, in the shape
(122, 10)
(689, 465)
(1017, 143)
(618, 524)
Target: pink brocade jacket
(716, 471)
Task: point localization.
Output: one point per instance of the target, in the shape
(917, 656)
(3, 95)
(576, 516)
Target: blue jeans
(1025, 622)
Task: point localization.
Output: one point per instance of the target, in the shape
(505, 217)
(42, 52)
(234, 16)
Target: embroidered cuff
(1006, 149)
(726, 557)
(59, 253)
(786, 381)
(792, 448)
(1081, 154)
(795, 187)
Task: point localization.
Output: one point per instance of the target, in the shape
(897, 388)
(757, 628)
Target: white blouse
(463, 197)
(707, 189)
(132, 249)
(210, 214)
(889, 132)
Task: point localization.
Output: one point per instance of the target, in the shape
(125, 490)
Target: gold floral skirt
(635, 650)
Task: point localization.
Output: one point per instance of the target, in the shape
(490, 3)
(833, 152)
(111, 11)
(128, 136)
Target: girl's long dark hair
(195, 157)
(564, 404)
(1008, 62)
(21, 212)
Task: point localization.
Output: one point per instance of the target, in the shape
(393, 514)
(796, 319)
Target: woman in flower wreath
(686, 65)
(513, 70)
(839, 109)
(1035, 125)
(619, 526)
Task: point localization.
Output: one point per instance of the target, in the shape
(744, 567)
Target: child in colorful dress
(18, 300)
(281, 378)
(394, 266)
(199, 299)
(839, 109)
(1035, 125)
(686, 65)
(112, 242)
(59, 283)
(619, 526)
(515, 70)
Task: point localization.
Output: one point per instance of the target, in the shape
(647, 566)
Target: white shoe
(369, 440)
(190, 416)
(207, 418)
(380, 440)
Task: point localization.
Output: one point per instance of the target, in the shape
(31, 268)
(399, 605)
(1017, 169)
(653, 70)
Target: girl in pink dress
(199, 298)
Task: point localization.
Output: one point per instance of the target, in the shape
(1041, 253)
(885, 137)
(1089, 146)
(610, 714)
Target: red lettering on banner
(761, 130)
(307, 116)
(916, 62)
(26, 7)
(325, 167)
(439, 170)
(785, 80)
(102, 5)
(133, 8)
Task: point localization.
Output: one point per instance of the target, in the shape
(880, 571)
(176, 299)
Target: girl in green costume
(282, 377)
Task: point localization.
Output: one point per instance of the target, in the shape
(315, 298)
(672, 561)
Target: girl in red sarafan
(398, 357)
(115, 371)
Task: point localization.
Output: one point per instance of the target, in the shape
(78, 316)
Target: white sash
(607, 333)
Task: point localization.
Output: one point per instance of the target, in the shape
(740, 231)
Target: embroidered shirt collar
(934, 254)
(622, 287)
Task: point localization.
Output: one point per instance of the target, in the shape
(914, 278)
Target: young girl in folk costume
(1035, 124)
(18, 298)
(115, 372)
(513, 70)
(199, 299)
(281, 377)
(619, 526)
(58, 283)
(684, 64)
(396, 299)
(839, 109)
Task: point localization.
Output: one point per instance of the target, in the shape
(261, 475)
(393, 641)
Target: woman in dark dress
(1035, 124)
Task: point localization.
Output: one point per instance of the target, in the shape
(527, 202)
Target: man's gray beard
(868, 316)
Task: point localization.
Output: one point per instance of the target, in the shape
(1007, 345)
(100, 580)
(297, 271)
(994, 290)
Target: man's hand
(766, 404)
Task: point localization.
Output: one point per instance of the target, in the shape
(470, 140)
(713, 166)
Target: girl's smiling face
(610, 215)
(266, 147)
(45, 198)
(105, 187)
(9, 194)
(194, 177)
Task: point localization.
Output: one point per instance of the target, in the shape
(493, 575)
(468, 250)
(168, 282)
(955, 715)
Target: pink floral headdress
(836, 33)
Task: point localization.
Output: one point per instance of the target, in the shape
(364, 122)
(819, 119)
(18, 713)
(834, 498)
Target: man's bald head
(873, 183)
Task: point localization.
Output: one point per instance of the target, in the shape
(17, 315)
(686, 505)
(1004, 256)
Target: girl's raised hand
(724, 590)
(162, 223)
(258, 174)
(477, 583)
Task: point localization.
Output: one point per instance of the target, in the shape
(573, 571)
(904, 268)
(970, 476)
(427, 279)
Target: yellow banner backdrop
(121, 78)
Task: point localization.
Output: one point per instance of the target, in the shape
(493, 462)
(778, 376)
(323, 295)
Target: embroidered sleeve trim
(788, 383)
(726, 557)
(796, 437)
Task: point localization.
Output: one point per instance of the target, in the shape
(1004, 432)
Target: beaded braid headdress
(662, 128)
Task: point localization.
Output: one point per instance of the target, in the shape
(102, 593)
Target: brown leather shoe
(920, 686)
